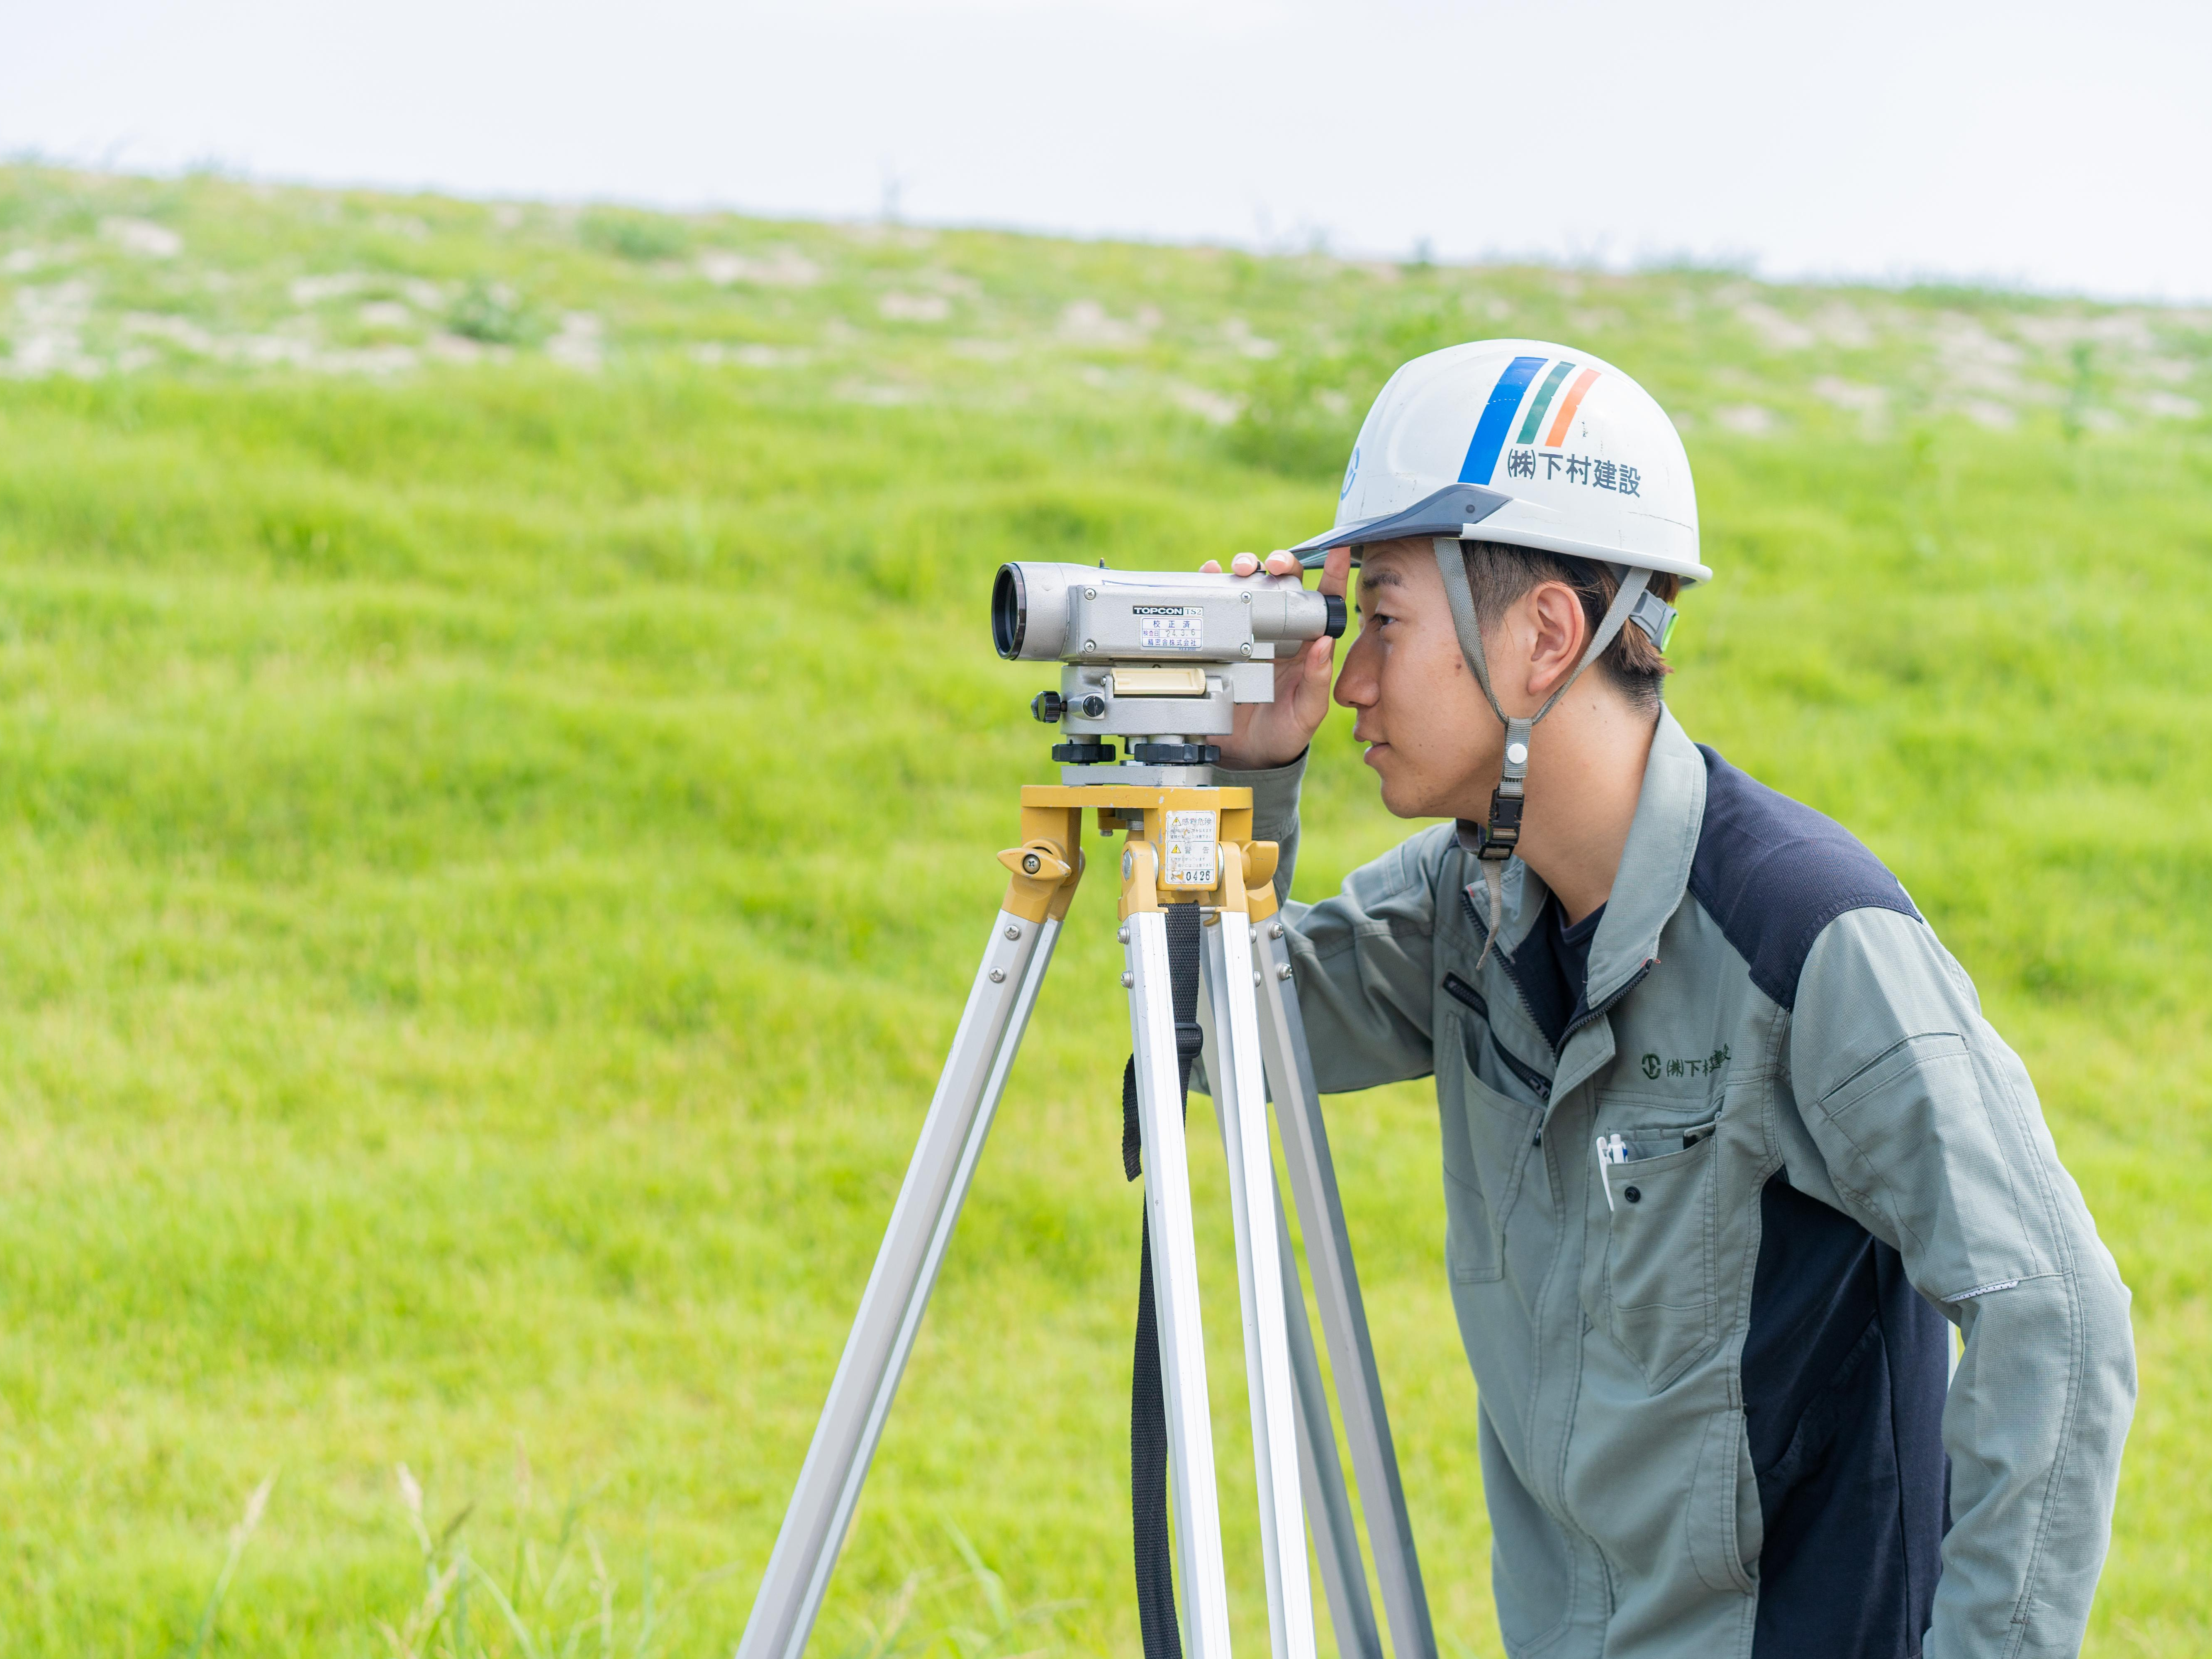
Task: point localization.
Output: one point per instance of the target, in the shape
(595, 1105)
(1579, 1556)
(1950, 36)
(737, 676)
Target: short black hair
(1498, 573)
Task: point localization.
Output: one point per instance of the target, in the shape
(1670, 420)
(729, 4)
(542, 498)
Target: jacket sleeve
(1931, 1132)
(1363, 958)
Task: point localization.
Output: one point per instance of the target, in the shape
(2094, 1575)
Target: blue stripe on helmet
(1497, 420)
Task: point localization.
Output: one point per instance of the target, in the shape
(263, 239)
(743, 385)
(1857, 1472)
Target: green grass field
(502, 761)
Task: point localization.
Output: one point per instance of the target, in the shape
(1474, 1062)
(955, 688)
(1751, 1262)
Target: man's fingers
(1244, 564)
(1336, 571)
(1281, 563)
(1313, 672)
(1210, 567)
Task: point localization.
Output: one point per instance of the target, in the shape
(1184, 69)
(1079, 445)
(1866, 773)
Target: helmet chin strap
(1494, 842)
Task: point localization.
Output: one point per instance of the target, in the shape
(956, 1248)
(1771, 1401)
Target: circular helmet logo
(1350, 473)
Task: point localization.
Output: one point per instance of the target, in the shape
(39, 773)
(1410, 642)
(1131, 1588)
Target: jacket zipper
(1535, 1079)
(1635, 979)
(1505, 959)
(1520, 1068)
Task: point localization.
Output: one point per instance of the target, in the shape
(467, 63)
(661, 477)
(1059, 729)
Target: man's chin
(1401, 802)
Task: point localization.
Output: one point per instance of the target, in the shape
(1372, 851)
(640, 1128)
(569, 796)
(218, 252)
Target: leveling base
(1186, 845)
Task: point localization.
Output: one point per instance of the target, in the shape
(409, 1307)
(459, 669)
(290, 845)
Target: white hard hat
(1526, 443)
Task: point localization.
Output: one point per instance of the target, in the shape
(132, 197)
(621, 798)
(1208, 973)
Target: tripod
(1188, 866)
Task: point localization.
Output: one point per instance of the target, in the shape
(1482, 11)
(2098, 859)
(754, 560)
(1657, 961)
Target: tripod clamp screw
(1031, 864)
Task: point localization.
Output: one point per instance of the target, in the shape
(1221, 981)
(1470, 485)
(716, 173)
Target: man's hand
(1275, 733)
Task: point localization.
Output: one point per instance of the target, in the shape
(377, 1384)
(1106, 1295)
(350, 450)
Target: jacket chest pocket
(1660, 1297)
(1487, 1138)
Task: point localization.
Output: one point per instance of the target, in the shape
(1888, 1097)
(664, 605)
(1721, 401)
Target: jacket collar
(1654, 865)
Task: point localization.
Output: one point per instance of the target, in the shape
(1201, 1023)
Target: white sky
(2062, 147)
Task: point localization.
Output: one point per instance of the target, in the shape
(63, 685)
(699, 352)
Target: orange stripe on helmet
(1574, 401)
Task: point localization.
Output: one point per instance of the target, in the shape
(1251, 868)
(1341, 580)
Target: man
(1728, 1146)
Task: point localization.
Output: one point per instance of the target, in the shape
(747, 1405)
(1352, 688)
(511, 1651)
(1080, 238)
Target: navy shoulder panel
(1773, 874)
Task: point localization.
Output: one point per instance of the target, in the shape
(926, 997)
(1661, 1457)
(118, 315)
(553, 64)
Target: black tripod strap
(1148, 1414)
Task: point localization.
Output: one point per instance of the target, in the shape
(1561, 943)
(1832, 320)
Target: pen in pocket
(1610, 1150)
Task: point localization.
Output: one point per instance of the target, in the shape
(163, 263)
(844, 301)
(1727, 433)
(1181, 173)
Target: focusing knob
(1333, 605)
(1048, 707)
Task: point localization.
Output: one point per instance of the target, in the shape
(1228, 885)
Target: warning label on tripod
(1191, 853)
(1172, 627)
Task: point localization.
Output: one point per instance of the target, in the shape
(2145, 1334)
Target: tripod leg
(1328, 1502)
(1321, 1472)
(1175, 1261)
(1336, 1287)
(1240, 1099)
(952, 1137)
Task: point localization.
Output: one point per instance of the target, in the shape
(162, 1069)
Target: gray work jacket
(1711, 1364)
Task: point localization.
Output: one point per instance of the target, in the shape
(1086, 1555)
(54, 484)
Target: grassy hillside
(502, 761)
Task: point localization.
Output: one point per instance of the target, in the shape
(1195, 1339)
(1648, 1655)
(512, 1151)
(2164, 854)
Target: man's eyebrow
(1385, 577)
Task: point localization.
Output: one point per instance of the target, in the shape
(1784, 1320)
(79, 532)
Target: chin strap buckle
(1495, 840)
(1498, 837)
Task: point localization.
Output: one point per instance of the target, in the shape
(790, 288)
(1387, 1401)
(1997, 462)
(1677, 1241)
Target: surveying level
(1198, 911)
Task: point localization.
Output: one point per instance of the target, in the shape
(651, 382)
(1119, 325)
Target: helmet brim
(1458, 510)
(1452, 511)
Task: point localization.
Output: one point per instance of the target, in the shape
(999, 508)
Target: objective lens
(1010, 611)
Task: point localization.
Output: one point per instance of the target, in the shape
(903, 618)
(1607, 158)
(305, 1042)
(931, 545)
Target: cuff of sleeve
(1274, 794)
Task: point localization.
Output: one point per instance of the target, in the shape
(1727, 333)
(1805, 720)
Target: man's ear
(1561, 633)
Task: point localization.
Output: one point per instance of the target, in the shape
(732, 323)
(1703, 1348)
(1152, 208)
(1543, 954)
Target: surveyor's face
(1431, 737)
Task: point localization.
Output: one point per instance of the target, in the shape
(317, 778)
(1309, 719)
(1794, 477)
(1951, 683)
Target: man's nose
(1355, 683)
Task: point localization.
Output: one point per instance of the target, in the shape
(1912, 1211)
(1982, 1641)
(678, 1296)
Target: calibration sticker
(1191, 853)
(1170, 627)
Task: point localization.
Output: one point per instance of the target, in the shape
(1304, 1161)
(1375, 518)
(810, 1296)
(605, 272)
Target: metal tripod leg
(1240, 1100)
(952, 1137)
(1328, 1501)
(1321, 1472)
(1175, 1265)
(1336, 1288)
